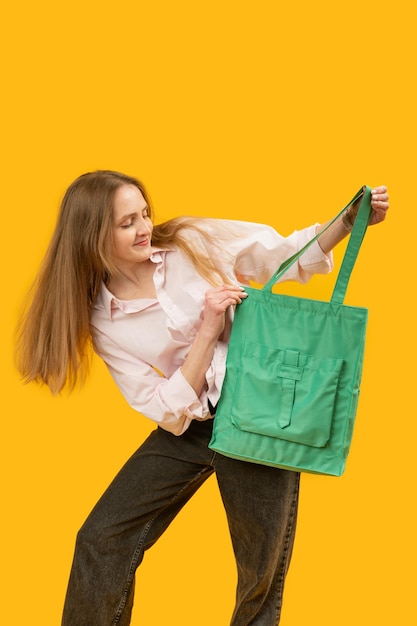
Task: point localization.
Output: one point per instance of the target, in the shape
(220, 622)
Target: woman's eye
(127, 225)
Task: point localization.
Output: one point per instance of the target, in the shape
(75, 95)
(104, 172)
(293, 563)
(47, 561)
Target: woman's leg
(135, 510)
(261, 506)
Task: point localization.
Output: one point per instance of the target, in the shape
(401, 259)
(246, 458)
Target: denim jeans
(146, 495)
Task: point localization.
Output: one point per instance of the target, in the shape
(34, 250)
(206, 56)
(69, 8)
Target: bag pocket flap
(295, 394)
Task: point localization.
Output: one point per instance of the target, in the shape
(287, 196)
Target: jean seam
(287, 540)
(139, 546)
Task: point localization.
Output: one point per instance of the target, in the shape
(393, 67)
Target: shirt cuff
(314, 260)
(181, 399)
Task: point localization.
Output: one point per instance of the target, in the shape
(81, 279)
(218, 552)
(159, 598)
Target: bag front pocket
(294, 394)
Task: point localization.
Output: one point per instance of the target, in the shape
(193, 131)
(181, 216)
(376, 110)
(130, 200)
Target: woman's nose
(143, 227)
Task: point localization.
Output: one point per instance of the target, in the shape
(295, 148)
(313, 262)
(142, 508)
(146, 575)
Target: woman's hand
(379, 204)
(198, 360)
(217, 301)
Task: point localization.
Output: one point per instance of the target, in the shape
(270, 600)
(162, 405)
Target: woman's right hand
(217, 301)
(198, 360)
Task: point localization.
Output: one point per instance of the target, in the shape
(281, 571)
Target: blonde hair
(53, 339)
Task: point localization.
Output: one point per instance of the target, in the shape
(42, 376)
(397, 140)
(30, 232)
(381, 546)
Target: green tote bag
(293, 372)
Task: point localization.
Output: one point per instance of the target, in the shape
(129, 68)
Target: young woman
(156, 302)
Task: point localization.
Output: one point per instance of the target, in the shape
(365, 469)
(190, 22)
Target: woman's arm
(342, 226)
(171, 401)
(198, 360)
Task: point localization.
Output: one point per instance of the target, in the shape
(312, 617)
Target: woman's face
(132, 227)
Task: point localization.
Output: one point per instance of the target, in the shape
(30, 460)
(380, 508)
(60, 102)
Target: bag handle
(352, 250)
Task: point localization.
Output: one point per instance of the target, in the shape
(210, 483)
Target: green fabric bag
(293, 372)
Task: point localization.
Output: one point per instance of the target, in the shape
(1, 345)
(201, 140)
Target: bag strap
(352, 250)
(355, 241)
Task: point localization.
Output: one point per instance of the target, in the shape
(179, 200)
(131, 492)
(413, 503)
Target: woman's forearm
(199, 358)
(334, 235)
(198, 361)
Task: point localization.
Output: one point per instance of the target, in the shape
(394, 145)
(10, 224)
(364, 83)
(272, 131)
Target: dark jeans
(153, 486)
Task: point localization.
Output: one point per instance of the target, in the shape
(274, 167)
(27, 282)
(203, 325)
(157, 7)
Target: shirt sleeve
(257, 250)
(170, 402)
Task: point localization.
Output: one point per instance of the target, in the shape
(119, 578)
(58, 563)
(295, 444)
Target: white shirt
(144, 342)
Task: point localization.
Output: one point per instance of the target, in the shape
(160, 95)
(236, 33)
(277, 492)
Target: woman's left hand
(379, 204)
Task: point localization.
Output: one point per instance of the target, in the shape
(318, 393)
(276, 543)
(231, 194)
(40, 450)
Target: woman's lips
(143, 242)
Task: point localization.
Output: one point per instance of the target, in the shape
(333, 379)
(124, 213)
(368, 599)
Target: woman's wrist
(348, 220)
(349, 216)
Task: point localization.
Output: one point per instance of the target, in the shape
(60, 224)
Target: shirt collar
(108, 301)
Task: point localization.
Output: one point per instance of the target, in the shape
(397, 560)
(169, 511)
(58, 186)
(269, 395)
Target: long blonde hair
(53, 340)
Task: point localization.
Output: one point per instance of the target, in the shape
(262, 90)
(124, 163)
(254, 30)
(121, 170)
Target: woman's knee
(92, 532)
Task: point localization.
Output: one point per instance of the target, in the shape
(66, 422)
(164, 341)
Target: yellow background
(266, 111)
